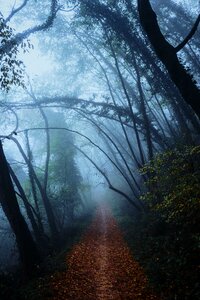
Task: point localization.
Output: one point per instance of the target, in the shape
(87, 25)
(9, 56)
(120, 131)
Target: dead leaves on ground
(101, 267)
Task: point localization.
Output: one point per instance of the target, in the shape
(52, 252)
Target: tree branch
(14, 11)
(94, 144)
(97, 167)
(108, 180)
(101, 109)
(114, 144)
(189, 36)
(168, 56)
(19, 37)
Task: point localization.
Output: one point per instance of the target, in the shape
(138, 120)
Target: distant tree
(64, 176)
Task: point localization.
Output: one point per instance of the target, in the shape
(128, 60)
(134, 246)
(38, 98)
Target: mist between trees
(99, 101)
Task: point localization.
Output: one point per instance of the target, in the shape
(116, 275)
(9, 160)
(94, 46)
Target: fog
(91, 110)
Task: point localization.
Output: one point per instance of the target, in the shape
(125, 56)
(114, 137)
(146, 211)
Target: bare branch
(189, 36)
(16, 10)
(114, 144)
(108, 181)
(9, 108)
(97, 167)
(46, 122)
(91, 142)
(69, 9)
(106, 110)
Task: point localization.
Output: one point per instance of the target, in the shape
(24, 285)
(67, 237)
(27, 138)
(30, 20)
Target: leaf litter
(101, 266)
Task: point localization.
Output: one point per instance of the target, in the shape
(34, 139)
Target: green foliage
(174, 180)
(166, 240)
(11, 69)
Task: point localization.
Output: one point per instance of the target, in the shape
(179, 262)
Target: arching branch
(91, 120)
(101, 109)
(138, 206)
(108, 180)
(92, 143)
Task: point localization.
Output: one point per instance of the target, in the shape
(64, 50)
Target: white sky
(36, 63)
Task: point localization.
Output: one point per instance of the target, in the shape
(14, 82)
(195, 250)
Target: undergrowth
(165, 240)
(12, 286)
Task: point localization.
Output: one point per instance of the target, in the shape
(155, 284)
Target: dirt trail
(101, 266)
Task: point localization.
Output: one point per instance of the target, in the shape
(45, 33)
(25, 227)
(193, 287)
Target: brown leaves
(101, 266)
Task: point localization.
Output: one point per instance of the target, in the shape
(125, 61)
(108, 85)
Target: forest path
(101, 267)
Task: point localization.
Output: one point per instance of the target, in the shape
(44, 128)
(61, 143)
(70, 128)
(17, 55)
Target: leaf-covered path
(101, 266)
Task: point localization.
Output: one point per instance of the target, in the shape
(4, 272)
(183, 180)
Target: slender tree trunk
(115, 146)
(144, 112)
(46, 123)
(45, 199)
(39, 236)
(33, 185)
(171, 129)
(140, 148)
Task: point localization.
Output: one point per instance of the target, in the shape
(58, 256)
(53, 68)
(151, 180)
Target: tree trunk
(167, 54)
(39, 235)
(45, 199)
(33, 185)
(27, 248)
(144, 112)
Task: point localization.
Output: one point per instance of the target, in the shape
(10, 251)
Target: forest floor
(101, 266)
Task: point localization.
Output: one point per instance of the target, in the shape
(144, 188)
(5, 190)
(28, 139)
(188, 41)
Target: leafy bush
(174, 200)
(166, 239)
(174, 186)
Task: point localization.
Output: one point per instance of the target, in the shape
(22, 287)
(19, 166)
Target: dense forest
(99, 149)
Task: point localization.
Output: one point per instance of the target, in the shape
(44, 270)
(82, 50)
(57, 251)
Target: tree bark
(167, 54)
(27, 248)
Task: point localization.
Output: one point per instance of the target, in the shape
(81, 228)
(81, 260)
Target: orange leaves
(101, 266)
